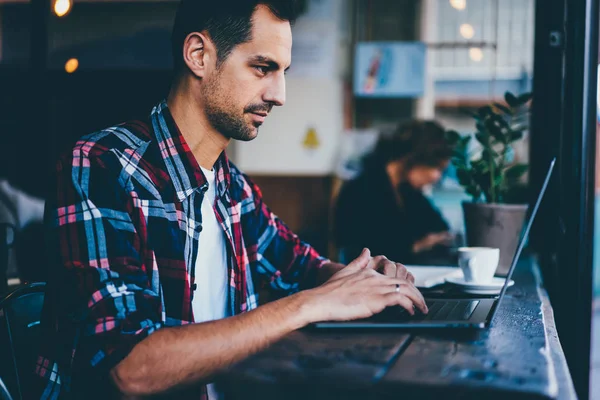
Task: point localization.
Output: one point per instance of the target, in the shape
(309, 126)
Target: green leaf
(500, 121)
(485, 111)
(489, 156)
(498, 179)
(503, 108)
(524, 98)
(452, 137)
(516, 171)
(495, 126)
(480, 167)
(474, 191)
(483, 138)
(464, 175)
(511, 100)
(480, 125)
(519, 128)
(516, 135)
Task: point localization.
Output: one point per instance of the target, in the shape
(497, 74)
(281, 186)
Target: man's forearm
(184, 355)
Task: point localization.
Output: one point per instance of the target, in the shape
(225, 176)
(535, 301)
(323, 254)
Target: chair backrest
(7, 238)
(20, 313)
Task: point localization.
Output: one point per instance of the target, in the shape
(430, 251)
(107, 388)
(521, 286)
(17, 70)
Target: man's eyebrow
(274, 65)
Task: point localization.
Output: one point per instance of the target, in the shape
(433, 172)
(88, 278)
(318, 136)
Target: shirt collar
(185, 173)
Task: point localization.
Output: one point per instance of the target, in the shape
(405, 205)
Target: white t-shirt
(210, 300)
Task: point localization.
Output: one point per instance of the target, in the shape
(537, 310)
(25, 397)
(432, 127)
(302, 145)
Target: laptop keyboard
(439, 310)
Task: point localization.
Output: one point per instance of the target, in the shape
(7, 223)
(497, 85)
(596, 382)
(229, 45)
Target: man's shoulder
(125, 138)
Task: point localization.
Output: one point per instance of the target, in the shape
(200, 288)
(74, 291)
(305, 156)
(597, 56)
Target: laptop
(448, 313)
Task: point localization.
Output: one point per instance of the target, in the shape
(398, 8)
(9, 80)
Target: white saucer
(493, 287)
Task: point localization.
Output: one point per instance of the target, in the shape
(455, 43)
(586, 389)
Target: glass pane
(15, 32)
(475, 51)
(483, 49)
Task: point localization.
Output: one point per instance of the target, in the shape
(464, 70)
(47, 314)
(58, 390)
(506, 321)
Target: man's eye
(262, 69)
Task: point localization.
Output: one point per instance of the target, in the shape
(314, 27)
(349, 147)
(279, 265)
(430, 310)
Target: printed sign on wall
(389, 69)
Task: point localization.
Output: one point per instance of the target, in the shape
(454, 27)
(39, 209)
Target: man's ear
(198, 52)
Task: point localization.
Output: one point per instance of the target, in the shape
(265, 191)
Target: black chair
(7, 238)
(4, 395)
(20, 313)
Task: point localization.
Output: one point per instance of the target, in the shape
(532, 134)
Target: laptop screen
(524, 235)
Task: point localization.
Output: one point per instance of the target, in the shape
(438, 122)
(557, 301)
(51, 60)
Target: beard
(220, 112)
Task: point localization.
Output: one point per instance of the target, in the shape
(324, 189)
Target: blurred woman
(384, 208)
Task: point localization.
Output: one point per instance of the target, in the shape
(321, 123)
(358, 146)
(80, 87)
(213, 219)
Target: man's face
(240, 93)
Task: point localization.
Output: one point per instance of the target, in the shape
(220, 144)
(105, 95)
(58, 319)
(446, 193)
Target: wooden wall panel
(303, 203)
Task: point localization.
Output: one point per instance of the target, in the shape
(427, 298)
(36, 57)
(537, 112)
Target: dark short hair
(228, 23)
(416, 142)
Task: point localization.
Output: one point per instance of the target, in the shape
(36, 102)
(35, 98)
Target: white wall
(279, 149)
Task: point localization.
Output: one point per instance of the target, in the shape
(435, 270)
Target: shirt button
(199, 228)
(194, 287)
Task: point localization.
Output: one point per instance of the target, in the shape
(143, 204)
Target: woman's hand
(432, 240)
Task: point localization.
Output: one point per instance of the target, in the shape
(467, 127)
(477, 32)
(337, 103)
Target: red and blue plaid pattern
(127, 220)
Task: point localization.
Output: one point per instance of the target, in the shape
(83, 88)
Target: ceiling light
(476, 54)
(459, 4)
(72, 65)
(62, 7)
(467, 31)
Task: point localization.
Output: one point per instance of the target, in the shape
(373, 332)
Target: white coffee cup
(478, 264)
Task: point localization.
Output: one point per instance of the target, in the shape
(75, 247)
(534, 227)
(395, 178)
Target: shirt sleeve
(289, 263)
(103, 301)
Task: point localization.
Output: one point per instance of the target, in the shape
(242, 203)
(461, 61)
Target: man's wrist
(306, 308)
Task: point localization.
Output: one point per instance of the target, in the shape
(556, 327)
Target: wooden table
(519, 357)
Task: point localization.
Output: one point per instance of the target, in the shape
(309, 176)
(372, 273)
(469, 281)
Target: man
(165, 245)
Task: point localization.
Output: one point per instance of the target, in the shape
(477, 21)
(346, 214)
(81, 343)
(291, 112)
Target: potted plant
(487, 171)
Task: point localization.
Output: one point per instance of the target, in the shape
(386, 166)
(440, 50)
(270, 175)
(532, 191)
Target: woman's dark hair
(416, 142)
(227, 22)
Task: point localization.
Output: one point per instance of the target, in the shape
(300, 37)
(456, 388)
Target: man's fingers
(390, 269)
(398, 299)
(410, 291)
(402, 273)
(377, 263)
(362, 260)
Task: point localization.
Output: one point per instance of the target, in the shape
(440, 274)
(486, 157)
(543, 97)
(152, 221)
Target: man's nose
(275, 93)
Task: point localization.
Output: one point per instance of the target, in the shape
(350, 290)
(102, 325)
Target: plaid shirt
(128, 221)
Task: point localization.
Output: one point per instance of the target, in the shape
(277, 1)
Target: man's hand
(390, 268)
(359, 291)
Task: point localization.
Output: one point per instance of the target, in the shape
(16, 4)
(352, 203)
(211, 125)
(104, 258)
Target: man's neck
(204, 141)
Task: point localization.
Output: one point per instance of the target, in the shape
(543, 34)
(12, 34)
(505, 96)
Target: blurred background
(447, 57)
(360, 68)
